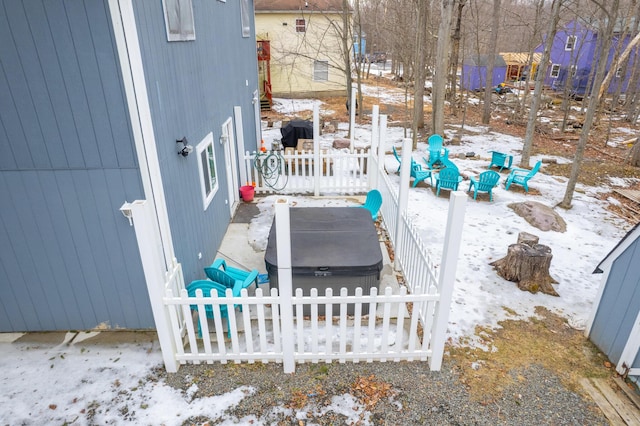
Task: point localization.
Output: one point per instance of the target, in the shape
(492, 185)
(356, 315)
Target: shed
(518, 64)
(474, 71)
(614, 325)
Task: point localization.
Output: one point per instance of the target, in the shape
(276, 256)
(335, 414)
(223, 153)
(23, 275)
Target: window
(571, 43)
(555, 71)
(572, 70)
(619, 73)
(178, 20)
(300, 25)
(320, 70)
(207, 169)
(245, 17)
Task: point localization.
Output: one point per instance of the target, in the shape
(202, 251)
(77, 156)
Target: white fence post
(352, 119)
(317, 167)
(150, 247)
(403, 196)
(372, 175)
(450, 252)
(283, 251)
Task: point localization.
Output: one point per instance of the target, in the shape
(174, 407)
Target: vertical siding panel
(9, 131)
(22, 274)
(13, 86)
(11, 305)
(618, 307)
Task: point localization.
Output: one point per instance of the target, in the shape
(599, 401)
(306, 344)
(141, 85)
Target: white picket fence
(410, 325)
(393, 332)
(338, 171)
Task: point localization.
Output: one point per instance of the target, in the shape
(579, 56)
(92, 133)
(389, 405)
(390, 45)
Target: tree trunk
(493, 43)
(537, 92)
(635, 154)
(455, 54)
(527, 263)
(418, 98)
(442, 61)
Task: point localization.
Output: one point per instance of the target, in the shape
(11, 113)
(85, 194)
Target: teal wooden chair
(373, 203)
(208, 287)
(419, 174)
(500, 160)
(436, 151)
(448, 178)
(395, 154)
(485, 183)
(522, 176)
(227, 275)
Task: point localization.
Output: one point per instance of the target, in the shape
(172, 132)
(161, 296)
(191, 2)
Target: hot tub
(331, 247)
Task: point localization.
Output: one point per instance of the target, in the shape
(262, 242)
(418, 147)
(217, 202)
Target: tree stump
(527, 263)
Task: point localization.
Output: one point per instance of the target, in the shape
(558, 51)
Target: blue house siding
(68, 259)
(619, 305)
(193, 87)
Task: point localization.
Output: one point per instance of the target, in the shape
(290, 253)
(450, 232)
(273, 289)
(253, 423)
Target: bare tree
(537, 92)
(418, 101)
(442, 61)
(493, 42)
(605, 35)
(455, 54)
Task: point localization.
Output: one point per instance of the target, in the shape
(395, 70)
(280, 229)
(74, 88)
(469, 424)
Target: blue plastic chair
(448, 178)
(227, 275)
(499, 159)
(522, 176)
(207, 288)
(419, 174)
(373, 202)
(436, 152)
(395, 154)
(485, 183)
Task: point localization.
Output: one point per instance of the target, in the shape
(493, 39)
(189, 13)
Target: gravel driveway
(404, 393)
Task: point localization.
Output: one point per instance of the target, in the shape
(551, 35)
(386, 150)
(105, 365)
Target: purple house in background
(474, 71)
(572, 57)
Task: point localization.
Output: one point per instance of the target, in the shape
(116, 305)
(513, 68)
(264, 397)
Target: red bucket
(247, 193)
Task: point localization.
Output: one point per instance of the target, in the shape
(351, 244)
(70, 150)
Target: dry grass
(547, 341)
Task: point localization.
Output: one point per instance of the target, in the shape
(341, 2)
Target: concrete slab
(115, 337)
(49, 338)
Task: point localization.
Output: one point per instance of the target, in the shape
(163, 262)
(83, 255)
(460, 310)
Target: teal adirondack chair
(395, 154)
(485, 183)
(436, 151)
(522, 176)
(207, 288)
(227, 275)
(501, 160)
(373, 202)
(448, 178)
(419, 174)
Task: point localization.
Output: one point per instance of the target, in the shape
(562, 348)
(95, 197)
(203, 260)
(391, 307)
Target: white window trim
(245, 18)
(555, 74)
(573, 45)
(182, 36)
(213, 183)
(619, 72)
(573, 69)
(314, 70)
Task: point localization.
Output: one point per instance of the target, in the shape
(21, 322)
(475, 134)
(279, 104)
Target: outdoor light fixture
(183, 146)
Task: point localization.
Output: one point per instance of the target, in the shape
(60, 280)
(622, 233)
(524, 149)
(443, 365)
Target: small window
(245, 17)
(300, 25)
(320, 70)
(619, 73)
(207, 169)
(573, 69)
(555, 71)
(571, 43)
(178, 20)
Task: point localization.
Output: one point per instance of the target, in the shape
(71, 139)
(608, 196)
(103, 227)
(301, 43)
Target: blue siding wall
(193, 87)
(68, 259)
(619, 305)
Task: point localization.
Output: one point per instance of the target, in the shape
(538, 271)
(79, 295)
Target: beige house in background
(306, 46)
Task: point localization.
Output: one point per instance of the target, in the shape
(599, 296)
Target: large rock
(339, 143)
(540, 216)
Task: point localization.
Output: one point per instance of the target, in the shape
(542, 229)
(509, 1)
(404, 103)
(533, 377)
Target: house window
(178, 20)
(619, 73)
(207, 169)
(245, 17)
(570, 44)
(320, 70)
(573, 69)
(555, 71)
(300, 25)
